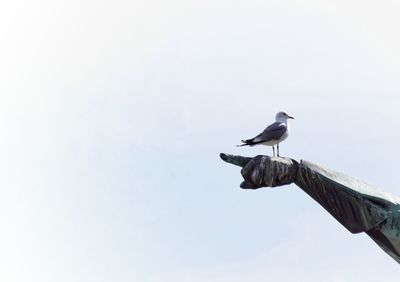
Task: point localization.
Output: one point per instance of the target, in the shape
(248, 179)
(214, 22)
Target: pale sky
(113, 114)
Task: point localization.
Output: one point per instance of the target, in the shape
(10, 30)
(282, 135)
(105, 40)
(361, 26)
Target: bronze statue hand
(264, 171)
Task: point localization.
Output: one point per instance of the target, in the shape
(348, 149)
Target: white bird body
(276, 142)
(273, 134)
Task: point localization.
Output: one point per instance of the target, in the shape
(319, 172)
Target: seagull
(273, 134)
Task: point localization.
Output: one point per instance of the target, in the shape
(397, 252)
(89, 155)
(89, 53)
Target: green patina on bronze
(358, 206)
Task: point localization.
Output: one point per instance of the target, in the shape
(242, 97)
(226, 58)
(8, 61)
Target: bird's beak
(290, 117)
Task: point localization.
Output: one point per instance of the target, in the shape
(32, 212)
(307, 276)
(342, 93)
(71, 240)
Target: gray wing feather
(272, 132)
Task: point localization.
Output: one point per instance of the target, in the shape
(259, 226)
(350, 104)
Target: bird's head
(282, 117)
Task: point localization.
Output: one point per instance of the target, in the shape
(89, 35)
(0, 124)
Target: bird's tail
(245, 143)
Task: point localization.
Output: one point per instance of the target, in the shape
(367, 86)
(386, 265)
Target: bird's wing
(272, 132)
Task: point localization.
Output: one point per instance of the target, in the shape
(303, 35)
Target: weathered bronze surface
(356, 205)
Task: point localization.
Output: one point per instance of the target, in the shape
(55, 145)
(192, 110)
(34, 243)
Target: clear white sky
(113, 113)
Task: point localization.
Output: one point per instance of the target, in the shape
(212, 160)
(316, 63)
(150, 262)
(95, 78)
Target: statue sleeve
(355, 204)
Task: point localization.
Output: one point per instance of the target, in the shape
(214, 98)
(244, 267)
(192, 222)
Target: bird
(273, 134)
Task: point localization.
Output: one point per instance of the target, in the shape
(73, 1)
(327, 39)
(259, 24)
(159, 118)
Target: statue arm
(355, 204)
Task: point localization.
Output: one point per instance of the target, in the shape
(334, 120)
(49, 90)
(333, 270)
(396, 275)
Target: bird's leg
(273, 150)
(277, 148)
